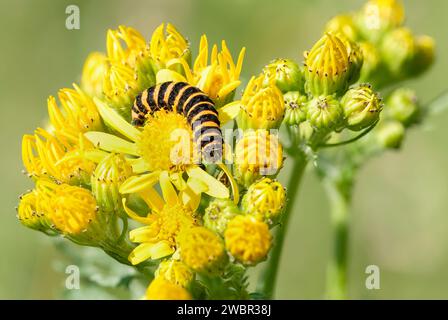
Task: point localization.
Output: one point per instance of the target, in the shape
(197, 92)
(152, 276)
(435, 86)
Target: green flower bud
(330, 66)
(325, 113)
(424, 55)
(285, 73)
(399, 49)
(218, 213)
(356, 59)
(295, 108)
(343, 25)
(106, 180)
(265, 200)
(391, 135)
(402, 106)
(379, 16)
(371, 69)
(362, 107)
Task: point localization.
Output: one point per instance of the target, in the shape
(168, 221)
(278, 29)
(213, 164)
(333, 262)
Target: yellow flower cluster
(92, 167)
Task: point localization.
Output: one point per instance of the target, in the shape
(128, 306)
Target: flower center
(166, 142)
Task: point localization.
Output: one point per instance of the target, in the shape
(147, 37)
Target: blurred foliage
(399, 219)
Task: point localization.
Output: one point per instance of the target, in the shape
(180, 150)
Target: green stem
(336, 287)
(268, 276)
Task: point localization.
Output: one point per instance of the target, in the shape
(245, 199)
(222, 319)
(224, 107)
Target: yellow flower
(71, 209)
(28, 214)
(162, 289)
(43, 154)
(163, 224)
(262, 107)
(248, 239)
(264, 200)
(175, 272)
(218, 79)
(258, 153)
(169, 45)
(93, 74)
(162, 147)
(202, 250)
(77, 115)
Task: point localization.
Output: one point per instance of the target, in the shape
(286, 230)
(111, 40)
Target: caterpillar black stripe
(198, 109)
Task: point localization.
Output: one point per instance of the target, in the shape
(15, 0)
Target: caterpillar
(189, 101)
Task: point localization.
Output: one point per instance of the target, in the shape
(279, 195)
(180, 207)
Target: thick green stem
(336, 287)
(268, 276)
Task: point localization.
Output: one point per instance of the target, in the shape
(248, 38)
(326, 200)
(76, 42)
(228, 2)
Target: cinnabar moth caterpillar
(198, 109)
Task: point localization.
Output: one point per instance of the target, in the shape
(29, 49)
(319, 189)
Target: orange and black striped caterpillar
(198, 109)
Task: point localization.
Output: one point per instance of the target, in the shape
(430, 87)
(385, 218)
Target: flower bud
(424, 55)
(285, 73)
(175, 272)
(362, 107)
(162, 289)
(120, 87)
(328, 66)
(399, 49)
(295, 106)
(92, 74)
(167, 45)
(265, 200)
(247, 239)
(73, 212)
(28, 214)
(379, 16)
(261, 107)
(106, 180)
(371, 68)
(257, 154)
(325, 113)
(343, 25)
(218, 213)
(202, 250)
(391, 135)
(402, 105)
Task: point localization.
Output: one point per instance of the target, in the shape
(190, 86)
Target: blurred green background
(400, 214)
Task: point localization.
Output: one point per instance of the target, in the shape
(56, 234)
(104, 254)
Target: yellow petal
(142, 234)
(228, 88)
(190, 198)
(111, 143)
(168, 191)
(141, 253)
(146, 220)
(161, 249)
(196, 185)
(165, 75)
(113, 119)
(139, 165)
(139, 183)
(235, 190)
(178, 181)
(152, 199)
(215, 188)
(229, 111)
